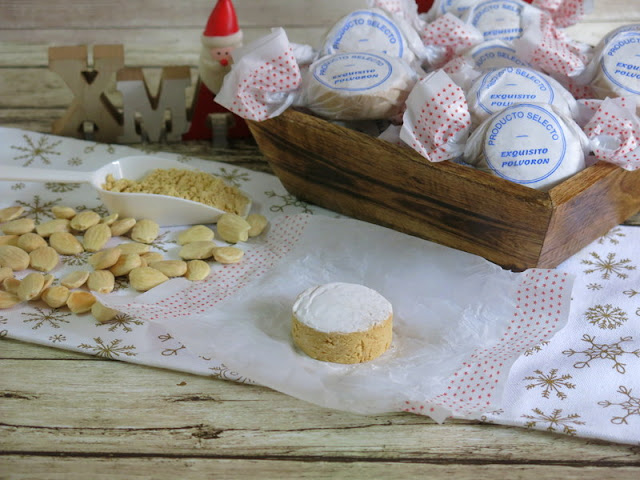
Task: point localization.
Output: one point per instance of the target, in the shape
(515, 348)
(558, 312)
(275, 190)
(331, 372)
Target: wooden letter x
(88, 85)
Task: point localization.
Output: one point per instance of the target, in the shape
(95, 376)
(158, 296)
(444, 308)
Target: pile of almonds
(26, 245)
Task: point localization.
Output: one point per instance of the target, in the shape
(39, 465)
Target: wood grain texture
(509, 224)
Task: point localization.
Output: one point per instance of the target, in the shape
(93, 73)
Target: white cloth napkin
(584, 381)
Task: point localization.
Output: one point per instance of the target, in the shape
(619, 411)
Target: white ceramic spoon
(164, 209)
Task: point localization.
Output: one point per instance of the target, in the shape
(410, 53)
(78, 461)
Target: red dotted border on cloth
(627, 155)
(280, 74)
(542, 296)
(443, 117)
(228, 280)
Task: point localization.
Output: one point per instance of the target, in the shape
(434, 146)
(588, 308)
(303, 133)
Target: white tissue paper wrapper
(263, 79)
(459, 320)
(437, 122)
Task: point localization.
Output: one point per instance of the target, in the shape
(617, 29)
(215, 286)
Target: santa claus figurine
(221, 35)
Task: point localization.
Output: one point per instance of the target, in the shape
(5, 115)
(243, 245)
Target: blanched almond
(30, 286)
(63, 212)
(125, 264)
(14, 258)
(80, 301)
(103, 313)
(197, 270)
(110, 219)
(56, 296)
(65, 243)
(8, 300)
(197, 250)
(171, 268)
(151, 257)
(96, 237)
(83, 220)
(197, 233)
(10, 213)
(47, 228)
(75, 279)
(11, 284)
(145, 278)
(133, 247)
(122, 226)
(48, 280)
(44, 259)
(233, 228)
(145, 231)
(5, 272)
(105, 258)
(9, 240)
(30, 241)
(257, 222)
(227, 255)
(18, 227)
(101, 281)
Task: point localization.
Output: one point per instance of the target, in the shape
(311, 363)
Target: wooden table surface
(67, 415)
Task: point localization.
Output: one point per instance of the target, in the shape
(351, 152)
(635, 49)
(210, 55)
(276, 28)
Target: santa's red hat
(222, 27)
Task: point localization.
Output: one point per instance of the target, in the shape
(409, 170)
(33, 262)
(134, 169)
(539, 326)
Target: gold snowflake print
(79, 259)
(631, 405)
(42, 150)
(603, 351)
(608, 266)
(57, 338)
(631, 293)
(18, 186)
(123, 321)
(168, 352)
(222, 372)
(61, 187)
(287, 200)
(160, 242)
(99, 209)
(606, 316)
(38, 209)
(550, 382)
(234, 176)
(92, 148)
(554, 421)
(594, 286)
(49, 316)
(611, 236)
(536, 348)
(109, 350)
(74, 161)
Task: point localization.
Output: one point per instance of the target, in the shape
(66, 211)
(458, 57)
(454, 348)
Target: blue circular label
(524, 143)
(353, 72)
(368, 31)
(456, 7)
(498, 19)
(504, 87)
(621, 61)
(497, 56)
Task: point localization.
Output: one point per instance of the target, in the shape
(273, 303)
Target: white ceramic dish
(164, 209)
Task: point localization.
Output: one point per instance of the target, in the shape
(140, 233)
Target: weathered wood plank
(39, 14)
(19, 467)
(96, 407)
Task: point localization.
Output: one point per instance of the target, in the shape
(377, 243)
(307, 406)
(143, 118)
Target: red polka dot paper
(451, 35)
(614, 133)
(549, 49)
(565, 12)
(263, 81)
(437, 122)
(541, 305)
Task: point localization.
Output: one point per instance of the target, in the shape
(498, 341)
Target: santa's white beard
(211, 71)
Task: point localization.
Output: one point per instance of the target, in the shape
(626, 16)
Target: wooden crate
(511, 225)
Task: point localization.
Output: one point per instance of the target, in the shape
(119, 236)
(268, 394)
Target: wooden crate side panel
(586, 207)
(393, 186)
